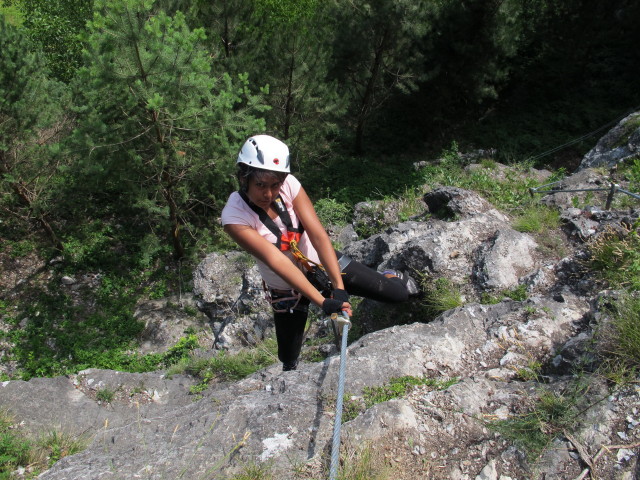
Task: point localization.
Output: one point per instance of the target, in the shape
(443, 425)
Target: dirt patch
(105, 395)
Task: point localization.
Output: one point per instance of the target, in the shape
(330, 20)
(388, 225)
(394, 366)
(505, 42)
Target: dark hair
(247, 172)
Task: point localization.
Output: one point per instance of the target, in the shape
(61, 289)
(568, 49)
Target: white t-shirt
(237, 212)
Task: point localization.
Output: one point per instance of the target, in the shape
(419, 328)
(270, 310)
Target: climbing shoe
(410, 283)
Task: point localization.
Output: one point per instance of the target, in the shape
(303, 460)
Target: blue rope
(335, 449)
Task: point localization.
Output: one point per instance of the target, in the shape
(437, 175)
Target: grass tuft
(619, 338)
(17, 451)
(537, 218)
(551, 414)
(614, 256)
(224, 367)
(440, 295)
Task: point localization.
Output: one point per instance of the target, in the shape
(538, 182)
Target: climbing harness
(341, 323)
(283, 240)
(281, 300)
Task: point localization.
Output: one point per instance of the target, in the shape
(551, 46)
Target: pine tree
(377, 45)
(293, 55)
(56, 25)
(158, 128)
(30, 120)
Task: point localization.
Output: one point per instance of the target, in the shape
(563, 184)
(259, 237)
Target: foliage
(226, 25)
(400, 386)
(371, 219)
(105, 395)
(614, 257)
(619, 338)
(377, 50)
(332, 213)
(349, 180)
(376, 216)
(156, 126)
(365, 463)
(410, 203)
(530, 372)
(14, 450)
(519, 293)
(11, 13)
(30, 113)
(62, 336)
(254, 471)
(292, 51)
(17, 450)
(506, 192)
(56, 445)
(397, 387)
(224, 367)
(56, 27)
(632, 171)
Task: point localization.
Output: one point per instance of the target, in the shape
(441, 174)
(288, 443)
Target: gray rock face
(165, 321)
(480, 243)
(74, 404)
(505, 259)
(619, 144)
(453, 201)
(230, 293)
(283, 416)
(585, 186)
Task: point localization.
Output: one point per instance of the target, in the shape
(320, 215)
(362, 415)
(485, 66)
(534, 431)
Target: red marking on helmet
(276, 161)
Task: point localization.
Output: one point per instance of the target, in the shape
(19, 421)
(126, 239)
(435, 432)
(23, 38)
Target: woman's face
(263, 188)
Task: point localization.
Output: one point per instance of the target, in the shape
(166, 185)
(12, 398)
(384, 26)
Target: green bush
(332, 212)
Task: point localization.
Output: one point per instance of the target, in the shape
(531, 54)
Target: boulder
(619, 144)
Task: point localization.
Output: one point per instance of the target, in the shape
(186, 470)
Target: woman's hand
(331, 305)
(340, 294)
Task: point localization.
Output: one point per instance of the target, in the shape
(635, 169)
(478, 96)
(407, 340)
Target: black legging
(359, 280)
(363, 281)
(290, 328)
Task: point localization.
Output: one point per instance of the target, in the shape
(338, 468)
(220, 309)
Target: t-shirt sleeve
(233, 213)
(291, 186)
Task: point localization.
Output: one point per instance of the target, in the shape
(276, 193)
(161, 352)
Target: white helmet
(263, 151)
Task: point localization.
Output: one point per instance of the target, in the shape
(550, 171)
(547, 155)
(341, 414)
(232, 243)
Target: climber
(273, 219)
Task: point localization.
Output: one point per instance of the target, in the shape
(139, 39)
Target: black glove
(339, 294)
(331, 305)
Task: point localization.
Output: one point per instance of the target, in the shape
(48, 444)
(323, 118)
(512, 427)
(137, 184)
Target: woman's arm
(251, 241)
(318, 236)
